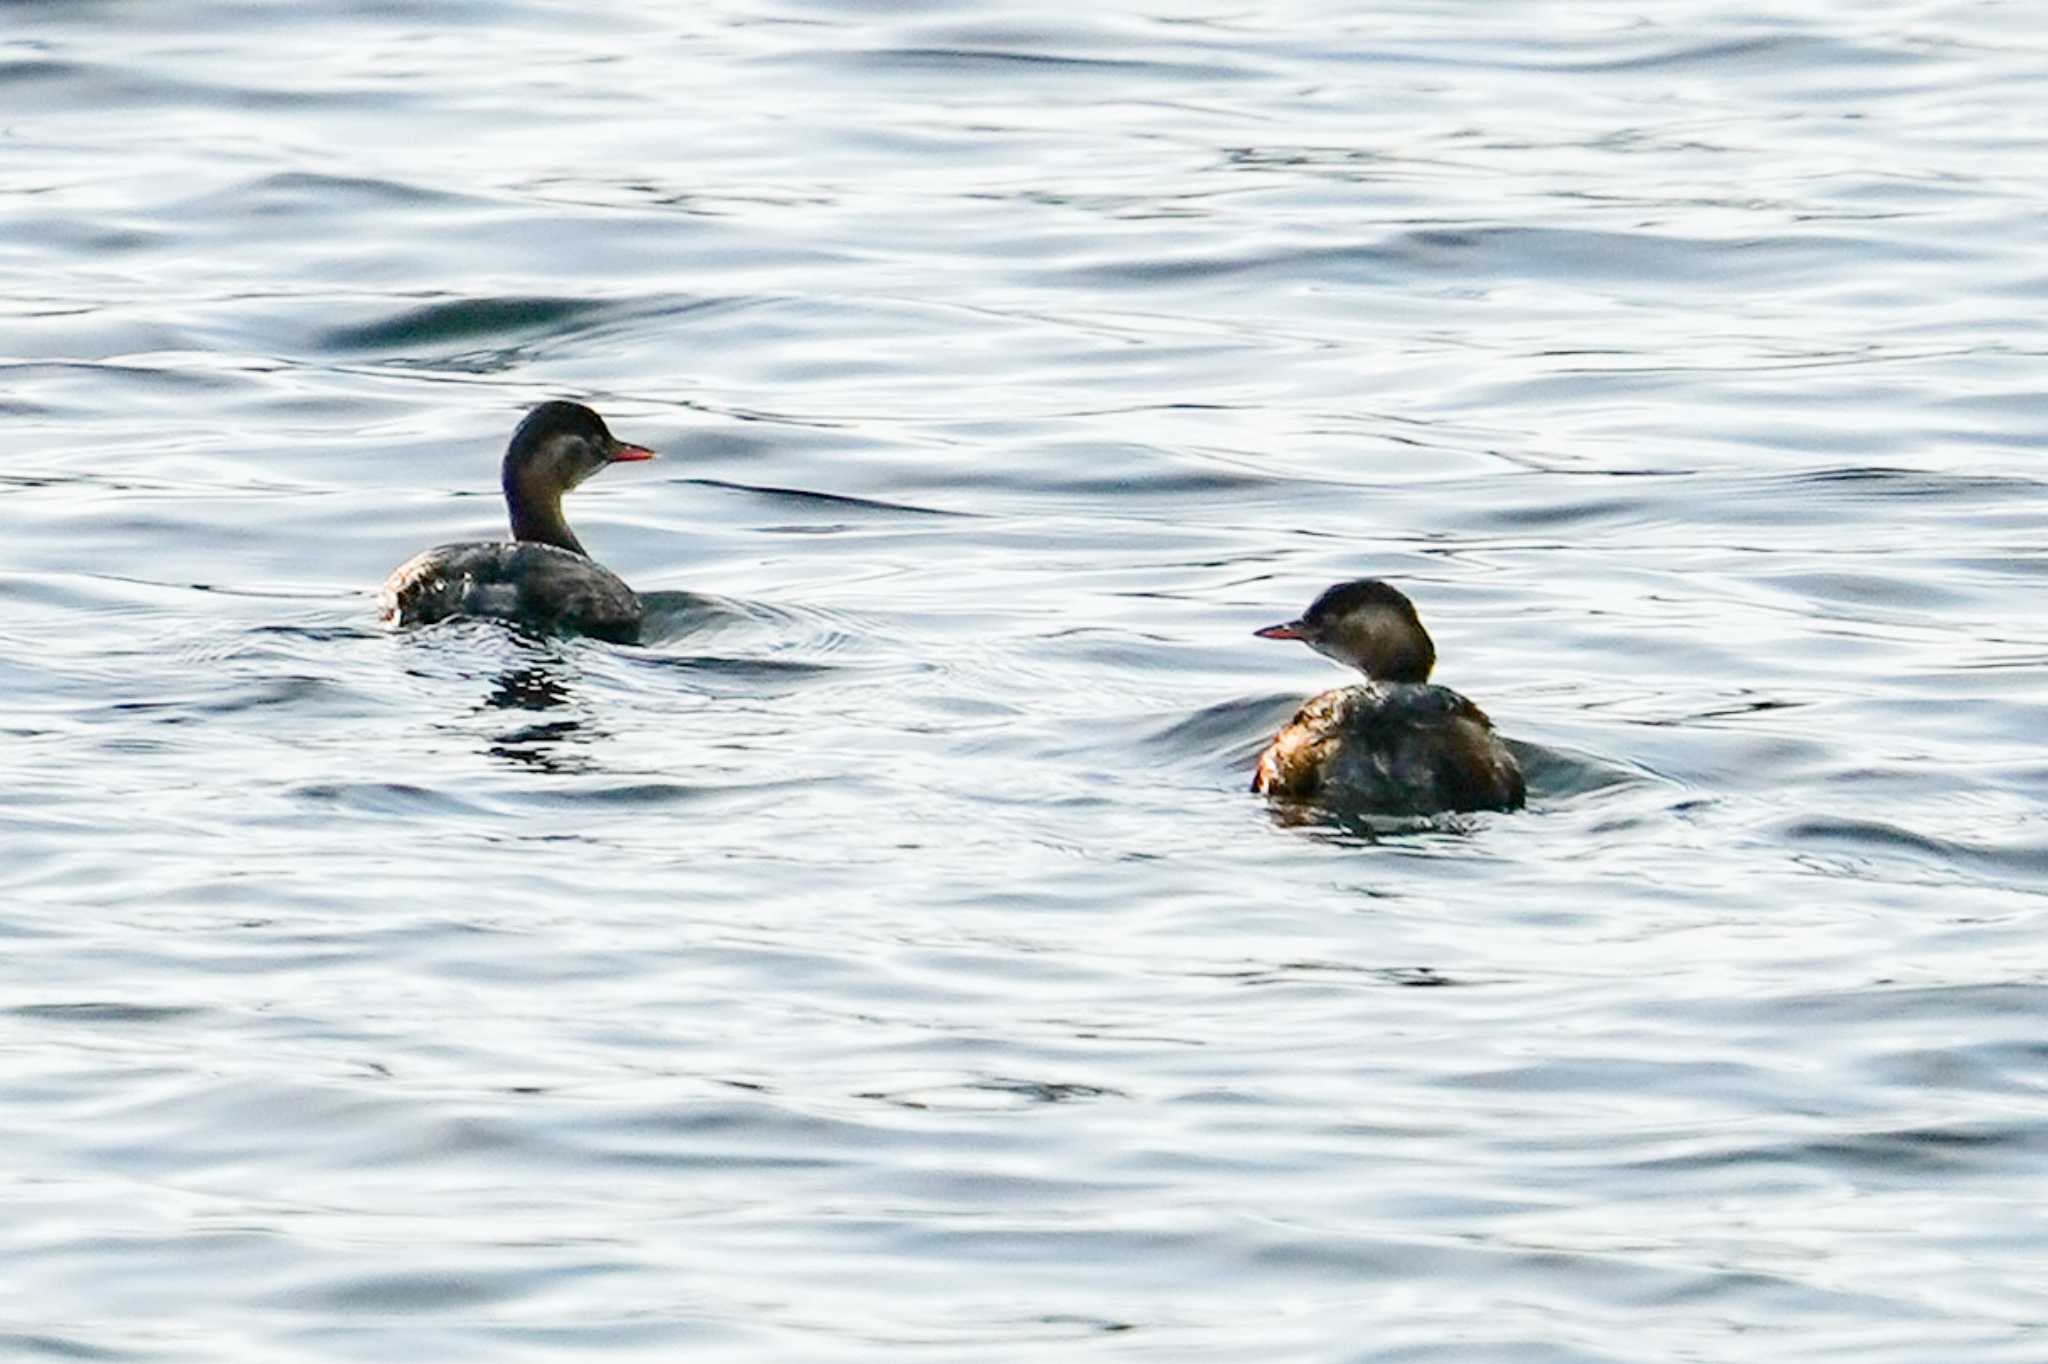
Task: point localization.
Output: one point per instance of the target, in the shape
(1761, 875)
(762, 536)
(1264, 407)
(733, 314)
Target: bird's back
(1394, 748)
(539, 586)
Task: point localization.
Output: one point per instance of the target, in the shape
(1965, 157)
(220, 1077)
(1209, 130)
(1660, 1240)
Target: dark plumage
(541, 578)
(1396, 745)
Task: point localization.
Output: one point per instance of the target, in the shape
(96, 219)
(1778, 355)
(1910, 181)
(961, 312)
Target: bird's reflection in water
(551, 745)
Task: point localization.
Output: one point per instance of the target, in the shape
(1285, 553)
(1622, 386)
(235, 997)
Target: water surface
(885, 958)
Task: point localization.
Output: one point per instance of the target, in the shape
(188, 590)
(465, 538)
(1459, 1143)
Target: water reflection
(551, 745)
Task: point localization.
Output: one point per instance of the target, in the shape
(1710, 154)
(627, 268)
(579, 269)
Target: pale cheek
(1330, 650)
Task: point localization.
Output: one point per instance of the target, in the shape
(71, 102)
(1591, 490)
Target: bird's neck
(537, 515)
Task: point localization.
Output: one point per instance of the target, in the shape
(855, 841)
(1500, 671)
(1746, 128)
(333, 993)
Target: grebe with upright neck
(541, 578)
(1397, 744)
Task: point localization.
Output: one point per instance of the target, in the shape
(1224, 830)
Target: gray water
(886, 960)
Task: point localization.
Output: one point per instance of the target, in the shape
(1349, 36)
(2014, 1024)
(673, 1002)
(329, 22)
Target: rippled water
(887, 959)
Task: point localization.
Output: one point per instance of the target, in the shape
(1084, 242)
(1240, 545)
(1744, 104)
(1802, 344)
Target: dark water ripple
(885, 957)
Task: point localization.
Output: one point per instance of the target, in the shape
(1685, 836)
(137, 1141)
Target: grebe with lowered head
(542, 577)
(1396, 745)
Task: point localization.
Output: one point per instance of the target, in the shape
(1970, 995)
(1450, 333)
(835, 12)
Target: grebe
(1395, 745)
(542, 577)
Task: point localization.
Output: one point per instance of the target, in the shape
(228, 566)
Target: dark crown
(560, 418)
(1337, 602)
